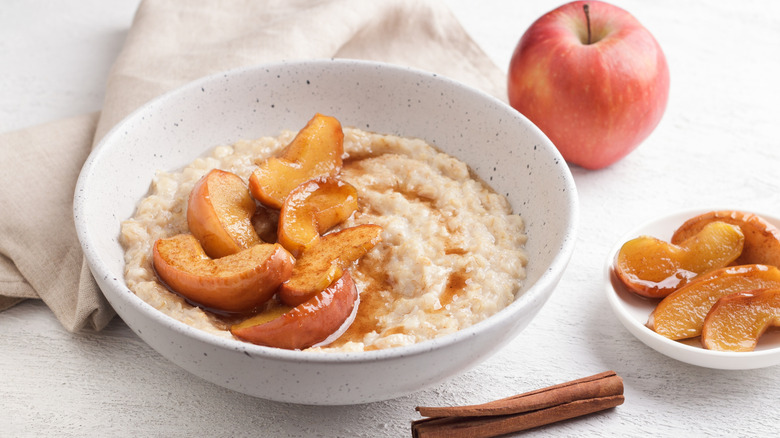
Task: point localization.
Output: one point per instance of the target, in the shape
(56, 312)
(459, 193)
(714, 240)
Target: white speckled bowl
(499, 144)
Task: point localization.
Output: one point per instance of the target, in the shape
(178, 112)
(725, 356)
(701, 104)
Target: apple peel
(324, 262)
(314, 152)
(219, 214)
(681, 314)
(737, 321)
(236, 283)
(307, 324)
(653, 268)
(762, 239)
(313, 208)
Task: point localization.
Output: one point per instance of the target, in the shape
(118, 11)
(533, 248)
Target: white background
(716, 147)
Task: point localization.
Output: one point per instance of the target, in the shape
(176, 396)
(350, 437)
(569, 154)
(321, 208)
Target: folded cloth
(169, 44)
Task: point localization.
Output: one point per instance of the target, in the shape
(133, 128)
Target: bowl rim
(546, 281)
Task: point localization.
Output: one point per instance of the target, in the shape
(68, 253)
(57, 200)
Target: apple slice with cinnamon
(306, 324)
(236, 283)
(313, 208)
(315, 151)
(654, 268)
(737, 321)
(762, 239)
(681, 314)
(219, 214)
(327, 260)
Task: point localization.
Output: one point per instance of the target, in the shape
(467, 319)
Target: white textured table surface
(717, 146)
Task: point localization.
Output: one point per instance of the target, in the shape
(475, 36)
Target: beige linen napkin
(172, 42)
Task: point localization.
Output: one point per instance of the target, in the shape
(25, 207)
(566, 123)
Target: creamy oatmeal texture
(451, 253)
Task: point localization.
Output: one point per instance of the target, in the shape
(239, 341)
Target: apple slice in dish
(316, 151)
(326, 261)
(306, 324)
(762, 239)
(236, 283)
(681, 314)
(737, 321)
(219, 214)
(653, 268)
(313, 208)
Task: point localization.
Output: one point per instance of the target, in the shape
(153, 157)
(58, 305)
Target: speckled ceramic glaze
(499, 144)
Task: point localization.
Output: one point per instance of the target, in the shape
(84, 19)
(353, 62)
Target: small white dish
(633, 310)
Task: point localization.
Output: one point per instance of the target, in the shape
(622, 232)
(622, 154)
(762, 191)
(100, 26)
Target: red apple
(592, 78)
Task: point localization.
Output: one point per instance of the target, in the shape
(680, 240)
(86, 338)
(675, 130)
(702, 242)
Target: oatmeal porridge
(451, 252)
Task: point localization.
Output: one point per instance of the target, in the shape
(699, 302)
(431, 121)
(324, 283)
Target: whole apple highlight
(592, 78)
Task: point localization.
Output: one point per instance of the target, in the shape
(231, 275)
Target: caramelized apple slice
(762, 239)
(737, 321)
(653, 268)
(219, 214)
(313, 208)
(305, 325)
(326, 261)
(681, 314)
(236, 283)
(316, 151)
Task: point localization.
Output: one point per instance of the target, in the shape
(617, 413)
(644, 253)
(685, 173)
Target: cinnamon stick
(525, 411)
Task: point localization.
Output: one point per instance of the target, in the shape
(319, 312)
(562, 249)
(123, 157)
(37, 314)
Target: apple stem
(586, 9)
